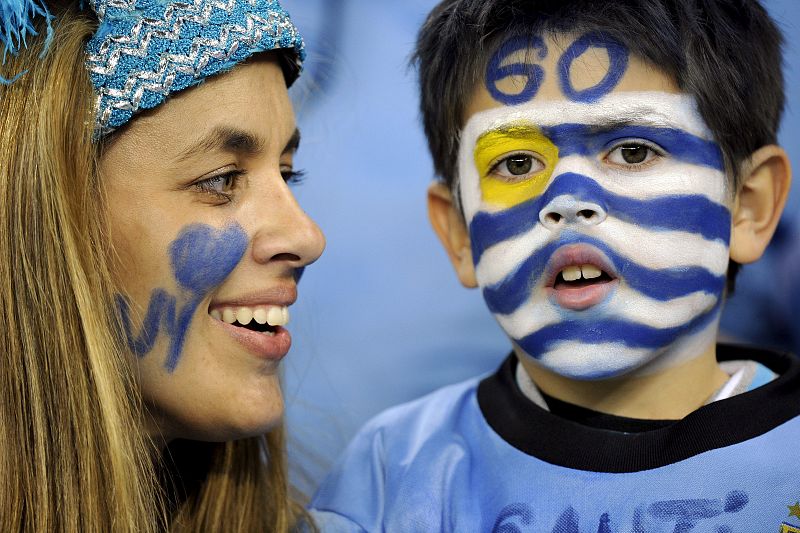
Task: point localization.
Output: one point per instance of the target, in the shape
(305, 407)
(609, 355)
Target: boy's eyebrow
(636, 116)
(632, 116)
(514, 129)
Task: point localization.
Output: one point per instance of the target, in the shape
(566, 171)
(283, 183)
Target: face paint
(654, 236)
(618, 64)
(201, 258)
(502, 66)
(499, 68)
(504, 190)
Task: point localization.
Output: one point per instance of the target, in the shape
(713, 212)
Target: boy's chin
(593, 362)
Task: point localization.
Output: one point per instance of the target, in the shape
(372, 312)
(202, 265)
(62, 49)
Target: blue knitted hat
(144, 50)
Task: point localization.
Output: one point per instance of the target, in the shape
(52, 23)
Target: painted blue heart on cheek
(202, 256)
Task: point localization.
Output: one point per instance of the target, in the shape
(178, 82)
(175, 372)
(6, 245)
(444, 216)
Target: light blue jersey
(479, 456)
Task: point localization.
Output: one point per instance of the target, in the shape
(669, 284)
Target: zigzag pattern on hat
(100, 7)
(145, 49)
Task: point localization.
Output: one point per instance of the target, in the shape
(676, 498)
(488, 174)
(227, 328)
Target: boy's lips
(579, 276)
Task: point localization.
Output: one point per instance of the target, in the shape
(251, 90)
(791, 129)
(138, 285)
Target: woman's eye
(291, 176)
(516, 165)
(220, 185)
(632, 154)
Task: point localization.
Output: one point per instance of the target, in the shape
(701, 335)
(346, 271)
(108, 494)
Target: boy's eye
(632, 154)
(517, 165)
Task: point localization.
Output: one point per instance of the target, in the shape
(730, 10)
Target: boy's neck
(668, 394)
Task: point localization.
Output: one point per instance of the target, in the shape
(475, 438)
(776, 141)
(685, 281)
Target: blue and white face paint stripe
(660, 232)
(652, 109)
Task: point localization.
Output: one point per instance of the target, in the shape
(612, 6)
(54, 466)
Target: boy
(606, 167)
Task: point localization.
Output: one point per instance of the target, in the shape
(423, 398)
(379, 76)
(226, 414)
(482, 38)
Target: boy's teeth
(591, 271)
(244, 315)
(228, 316)
(572, 273)
(215, 313)
(260, 315)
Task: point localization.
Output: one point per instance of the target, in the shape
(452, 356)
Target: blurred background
(381, 317)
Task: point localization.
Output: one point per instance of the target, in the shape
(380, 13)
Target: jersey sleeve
(351, 498)
(328, 522)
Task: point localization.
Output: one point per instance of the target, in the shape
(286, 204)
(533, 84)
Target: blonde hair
(75, 456)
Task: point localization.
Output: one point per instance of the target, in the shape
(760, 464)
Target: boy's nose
(566, 210)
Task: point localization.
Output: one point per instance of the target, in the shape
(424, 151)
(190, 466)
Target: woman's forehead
(252, 98)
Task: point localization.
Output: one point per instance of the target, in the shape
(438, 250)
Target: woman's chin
(240, 415)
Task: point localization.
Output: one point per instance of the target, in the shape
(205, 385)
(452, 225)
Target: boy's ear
(449, 225)
(766, 176)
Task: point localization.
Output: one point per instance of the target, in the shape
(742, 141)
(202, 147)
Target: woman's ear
(766, 177)
(449, 225)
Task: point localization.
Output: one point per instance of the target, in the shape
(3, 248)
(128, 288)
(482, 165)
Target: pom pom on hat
(17, 23)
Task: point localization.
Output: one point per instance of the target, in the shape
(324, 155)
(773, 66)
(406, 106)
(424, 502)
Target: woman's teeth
(574, 273)
(271, 315)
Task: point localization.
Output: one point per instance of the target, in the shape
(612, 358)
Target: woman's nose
(566, 210)
(286, 233)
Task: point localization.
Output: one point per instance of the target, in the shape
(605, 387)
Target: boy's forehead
(562, 67)
(616, 112)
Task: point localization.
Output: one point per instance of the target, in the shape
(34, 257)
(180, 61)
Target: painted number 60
(534, 74)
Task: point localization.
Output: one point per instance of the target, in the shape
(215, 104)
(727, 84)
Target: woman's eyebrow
(225, 139)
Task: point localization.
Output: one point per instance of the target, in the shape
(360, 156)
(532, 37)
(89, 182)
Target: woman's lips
(589, 294)
(273, 347)
(268, 307)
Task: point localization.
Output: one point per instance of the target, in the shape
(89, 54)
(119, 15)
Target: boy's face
(597, 208)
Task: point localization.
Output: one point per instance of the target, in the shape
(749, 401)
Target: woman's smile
(257, 320)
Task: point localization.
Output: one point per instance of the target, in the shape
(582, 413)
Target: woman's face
(209, 244)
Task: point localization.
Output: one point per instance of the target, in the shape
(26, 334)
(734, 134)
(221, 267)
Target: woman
(151, 248)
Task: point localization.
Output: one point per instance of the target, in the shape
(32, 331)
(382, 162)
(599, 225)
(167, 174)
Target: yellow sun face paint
(490, 149)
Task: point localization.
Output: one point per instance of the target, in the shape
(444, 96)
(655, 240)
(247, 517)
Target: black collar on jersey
(568, 443)
(598, 420)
